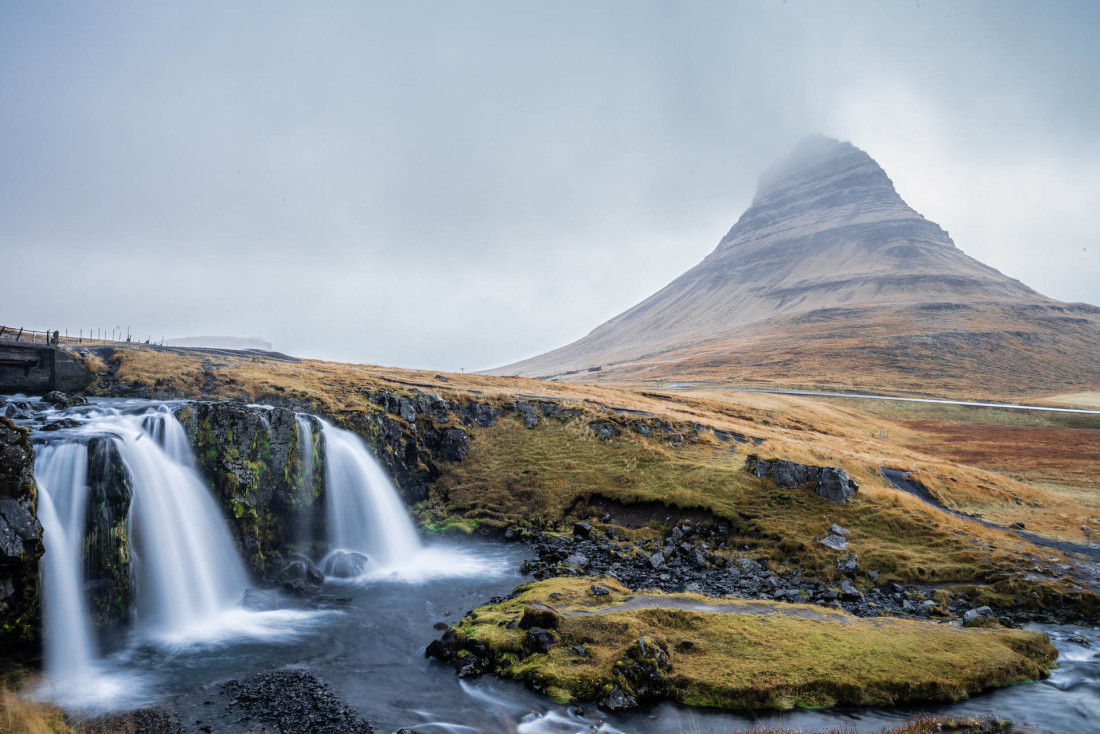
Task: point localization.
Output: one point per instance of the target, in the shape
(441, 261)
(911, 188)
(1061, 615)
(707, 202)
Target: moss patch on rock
(576, 639)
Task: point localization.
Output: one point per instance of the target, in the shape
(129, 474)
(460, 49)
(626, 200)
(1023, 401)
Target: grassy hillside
(548, 474)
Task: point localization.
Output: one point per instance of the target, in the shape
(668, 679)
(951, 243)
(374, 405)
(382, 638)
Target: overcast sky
(462, 185)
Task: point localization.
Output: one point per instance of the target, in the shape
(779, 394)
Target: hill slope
(830, 274)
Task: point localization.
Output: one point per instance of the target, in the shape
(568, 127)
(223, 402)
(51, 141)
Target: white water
(305, 475)
(364, 511)
(365, 514)
(186, 567)
(187, 576)
(61, 472)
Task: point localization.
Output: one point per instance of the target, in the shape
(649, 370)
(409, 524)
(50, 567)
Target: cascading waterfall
(186, 567)
(364, 511)
(186, 570)
(61, 472)
(305, 475)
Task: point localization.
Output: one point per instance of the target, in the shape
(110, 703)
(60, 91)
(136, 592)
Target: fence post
(20, 334)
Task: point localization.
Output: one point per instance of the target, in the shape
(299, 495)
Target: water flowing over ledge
(186, 576)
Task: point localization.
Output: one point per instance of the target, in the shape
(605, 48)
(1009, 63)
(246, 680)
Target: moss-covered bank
(576, 639)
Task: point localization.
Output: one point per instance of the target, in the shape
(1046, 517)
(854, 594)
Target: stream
(366, 634)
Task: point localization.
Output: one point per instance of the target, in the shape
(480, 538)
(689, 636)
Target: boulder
(577, 560)
(63, 400)
(605, 431)
(582, 530)
(835, 485)
(790, 475)
(300, 576)
(539, 616)
(539, 640)
(836, 542)
(618, 701)
(643, 667)
(527, 412)
(344, 564)
(973, 615)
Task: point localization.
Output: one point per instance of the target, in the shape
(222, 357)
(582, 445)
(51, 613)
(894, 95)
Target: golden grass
(513, 474)
(19, 715)
(744, 659)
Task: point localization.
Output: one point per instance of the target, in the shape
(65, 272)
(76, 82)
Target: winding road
(899, 479)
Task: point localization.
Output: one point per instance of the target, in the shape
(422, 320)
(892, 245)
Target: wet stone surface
(695, 558)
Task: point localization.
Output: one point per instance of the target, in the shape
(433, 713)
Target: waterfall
(364, 511)
(186, 567)
(304, 532)
(61, 472)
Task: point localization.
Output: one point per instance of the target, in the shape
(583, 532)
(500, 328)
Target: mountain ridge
(826, 232)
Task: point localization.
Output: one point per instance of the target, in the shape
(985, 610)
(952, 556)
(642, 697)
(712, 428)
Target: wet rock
(344, 564)
(20, 542)
(831, 483)
(301, 577)
(435, 649)
(406, 409)
(790, 475)
(618, 701)
(61, 424)
(539, 641)
(63, 400)
(582, 530)
(290, 701)
(481, 414)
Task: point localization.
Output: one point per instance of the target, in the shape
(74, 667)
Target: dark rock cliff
(20, 541)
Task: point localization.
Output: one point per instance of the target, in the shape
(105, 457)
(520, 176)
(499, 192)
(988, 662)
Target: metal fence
(63, 337)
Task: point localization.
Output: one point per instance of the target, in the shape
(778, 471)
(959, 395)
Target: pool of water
(368, 642)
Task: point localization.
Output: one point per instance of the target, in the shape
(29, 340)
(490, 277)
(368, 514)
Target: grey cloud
(463, 185)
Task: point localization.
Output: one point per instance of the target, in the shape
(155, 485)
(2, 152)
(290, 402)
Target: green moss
(464, 526)
(757, 655)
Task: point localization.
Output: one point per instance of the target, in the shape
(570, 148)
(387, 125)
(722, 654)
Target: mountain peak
(827, 253)
(809, 155)
(824, 184)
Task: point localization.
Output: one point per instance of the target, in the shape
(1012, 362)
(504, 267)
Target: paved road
(943, 401)
(898, 478)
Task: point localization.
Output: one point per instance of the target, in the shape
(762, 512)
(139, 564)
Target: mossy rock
(738, 654)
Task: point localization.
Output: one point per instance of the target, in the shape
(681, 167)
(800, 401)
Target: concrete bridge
(35, 369)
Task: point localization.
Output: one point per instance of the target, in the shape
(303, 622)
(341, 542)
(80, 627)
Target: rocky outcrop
(250, 456)
(106, 545)
(20, 541)
(829, 482)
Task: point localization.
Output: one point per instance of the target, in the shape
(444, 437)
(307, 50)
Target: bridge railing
(92, 336)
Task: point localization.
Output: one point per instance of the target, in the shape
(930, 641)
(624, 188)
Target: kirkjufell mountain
(829, 279)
